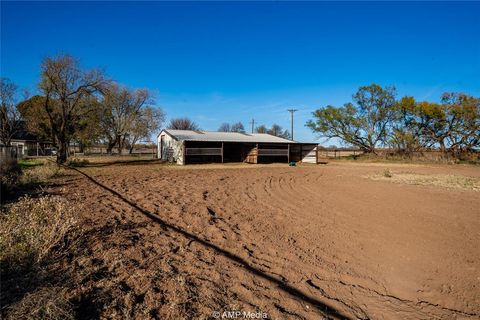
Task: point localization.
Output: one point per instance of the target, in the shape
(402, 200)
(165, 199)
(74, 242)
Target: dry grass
(45, 303)
(34, 233)
(438, 180)
(10, 173)
(32, 228)
(78, 162)
(41, 173)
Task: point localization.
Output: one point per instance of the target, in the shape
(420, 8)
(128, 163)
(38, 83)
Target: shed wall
(171, 149)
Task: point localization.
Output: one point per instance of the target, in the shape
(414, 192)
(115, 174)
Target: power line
(291, 124)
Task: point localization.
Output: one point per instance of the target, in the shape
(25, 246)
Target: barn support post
(222, 152)
(184, 147)
(256, 157)
(316, 155)
(288, 155)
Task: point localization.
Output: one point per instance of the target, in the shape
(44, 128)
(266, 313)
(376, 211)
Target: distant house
(28, 144)
(187, 146)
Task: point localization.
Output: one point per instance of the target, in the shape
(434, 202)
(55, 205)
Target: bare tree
(238, 127)
(64, 85)
(149, 120)
(277, 130)
(121, 108)
(261, 129)
(225, 127)
(235, 127)
(10, 118)
(183, 124)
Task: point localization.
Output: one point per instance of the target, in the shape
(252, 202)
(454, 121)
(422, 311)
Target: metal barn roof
(214, 136)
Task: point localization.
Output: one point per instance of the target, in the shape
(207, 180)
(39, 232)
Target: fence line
(9, 154)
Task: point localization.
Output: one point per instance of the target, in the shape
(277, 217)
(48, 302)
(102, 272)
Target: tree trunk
(121, 143)
(62, 153)
(132, 145)
(110, 146)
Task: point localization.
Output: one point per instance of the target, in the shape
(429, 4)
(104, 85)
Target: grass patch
(437, 180)
(29, 163)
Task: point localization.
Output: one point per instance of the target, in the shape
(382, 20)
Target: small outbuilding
(187, 146)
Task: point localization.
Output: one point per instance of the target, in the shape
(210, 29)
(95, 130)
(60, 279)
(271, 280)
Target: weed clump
(10, 173)
(34, 233)
(76, 162)
(387, 173)
(31, 229)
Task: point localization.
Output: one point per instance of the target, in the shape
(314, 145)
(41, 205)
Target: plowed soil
(306, 242)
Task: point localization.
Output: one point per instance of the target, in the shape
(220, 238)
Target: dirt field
(343, 240)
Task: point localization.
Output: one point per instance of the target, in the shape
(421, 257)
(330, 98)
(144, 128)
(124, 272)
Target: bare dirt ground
(306, 242)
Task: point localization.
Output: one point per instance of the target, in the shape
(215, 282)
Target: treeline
(376, 119)
(79, 105)
(275, 129)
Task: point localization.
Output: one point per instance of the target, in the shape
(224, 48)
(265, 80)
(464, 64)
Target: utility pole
(252, 123)
(291, 124)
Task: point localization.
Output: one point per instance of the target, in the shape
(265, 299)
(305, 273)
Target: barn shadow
(321, 306)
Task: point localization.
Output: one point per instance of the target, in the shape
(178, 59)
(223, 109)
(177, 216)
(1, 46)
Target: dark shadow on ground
(322, 307)
(122, 163)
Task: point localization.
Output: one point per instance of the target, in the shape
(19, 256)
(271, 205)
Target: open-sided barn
(187, 146)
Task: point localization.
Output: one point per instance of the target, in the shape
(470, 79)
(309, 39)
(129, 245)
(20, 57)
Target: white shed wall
(309, 156)
(172, 145)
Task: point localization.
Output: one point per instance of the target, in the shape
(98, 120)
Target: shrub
(31, 229)
(40, 174)
(76, 162)
(10, 173)
(387, 173)
(34, 233)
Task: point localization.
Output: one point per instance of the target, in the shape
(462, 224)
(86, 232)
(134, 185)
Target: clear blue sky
(225, 62)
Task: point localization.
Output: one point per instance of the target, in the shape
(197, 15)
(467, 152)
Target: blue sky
(224, 62)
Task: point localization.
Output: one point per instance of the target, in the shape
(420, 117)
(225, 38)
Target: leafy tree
(65, 86)
(10, 118)
(365, 124)
(89, 129)
(183, 124)
(462, 121)
(452, 125)
(405, 135)
(36, 118)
